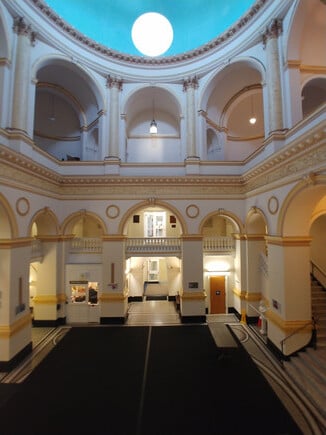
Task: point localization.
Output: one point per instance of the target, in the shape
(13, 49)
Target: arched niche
(220, 223)
(141, 108)
(84, 224)
(255, 222)
(67, 103)
(44, 223)
(313, 95)
(232, 97)
(301, 204)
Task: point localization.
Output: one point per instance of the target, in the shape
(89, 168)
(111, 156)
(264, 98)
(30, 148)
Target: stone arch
(146, 204)
(303, 202)
(148, 99)
(68, 105)
(313, 94)
(256, 222)
(224, 214)
(218, 76)
(91, 218)
(46, 223)
(86, 75)
(8, 222)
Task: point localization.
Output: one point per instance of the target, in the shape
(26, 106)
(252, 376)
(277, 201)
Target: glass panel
(78, 293)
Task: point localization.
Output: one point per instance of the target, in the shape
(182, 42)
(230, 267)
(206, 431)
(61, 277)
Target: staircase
(307, 368)
(318, 300)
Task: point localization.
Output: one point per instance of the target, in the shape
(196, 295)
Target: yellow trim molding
(289, 241)
(193, 295)
(240, 293)
(192, 237)
(286, 325)
(15, 243)
(10, 330)
(114, 238)
(49, 299)
(108, 297)
(252, 296)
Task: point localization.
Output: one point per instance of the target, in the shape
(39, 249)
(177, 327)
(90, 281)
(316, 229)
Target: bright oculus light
(152, 34)
(253, 120)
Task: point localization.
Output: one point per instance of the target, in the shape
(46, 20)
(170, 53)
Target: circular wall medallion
(22, 206)
(273, 204)
(192, 211)
(112, 211)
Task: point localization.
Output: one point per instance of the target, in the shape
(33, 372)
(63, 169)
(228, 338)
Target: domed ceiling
(110, 22)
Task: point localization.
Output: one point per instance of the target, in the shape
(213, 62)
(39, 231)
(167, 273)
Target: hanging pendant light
(252, 118)
(153, 127)
(153, 124)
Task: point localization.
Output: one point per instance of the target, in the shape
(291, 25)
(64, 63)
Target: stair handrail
(313, 267)
(313, 339)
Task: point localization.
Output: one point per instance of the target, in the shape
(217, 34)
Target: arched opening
(67, 107)
(232, 98)
(153, 253)
(144, 106)
(219, 261)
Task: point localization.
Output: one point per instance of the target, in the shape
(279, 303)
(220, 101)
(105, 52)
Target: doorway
(217, 294)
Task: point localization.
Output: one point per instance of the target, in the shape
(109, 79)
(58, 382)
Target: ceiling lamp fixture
(153, 127)
(252, 118)
(153, 124)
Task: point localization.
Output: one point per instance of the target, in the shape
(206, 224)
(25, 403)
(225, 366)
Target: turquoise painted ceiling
(109, 22)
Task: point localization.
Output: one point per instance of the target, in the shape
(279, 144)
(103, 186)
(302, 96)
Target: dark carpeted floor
(170, 380)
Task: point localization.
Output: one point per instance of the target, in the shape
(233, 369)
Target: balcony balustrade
(153, 245)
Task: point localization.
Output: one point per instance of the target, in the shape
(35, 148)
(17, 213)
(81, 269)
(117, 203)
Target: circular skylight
(110, 22)
(152, 34)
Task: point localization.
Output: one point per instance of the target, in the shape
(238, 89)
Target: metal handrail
(311, 322)
(322, 273)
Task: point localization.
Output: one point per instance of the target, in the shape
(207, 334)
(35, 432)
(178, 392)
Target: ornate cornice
(306, 154)
(168, 60)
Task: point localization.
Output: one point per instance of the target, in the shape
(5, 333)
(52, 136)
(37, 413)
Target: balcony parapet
(144, 246)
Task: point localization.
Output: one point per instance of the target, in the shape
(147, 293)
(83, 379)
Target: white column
(273, 73)
(114, 295)
(4, 92)
(193, 295)
(25, 39)
(115, 86)
(189, 86)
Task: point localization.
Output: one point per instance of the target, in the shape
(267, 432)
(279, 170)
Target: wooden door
(217, 294)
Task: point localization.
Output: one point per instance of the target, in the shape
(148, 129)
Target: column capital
(273, 31)
(114, 82)
(21, 28)
(190, 83)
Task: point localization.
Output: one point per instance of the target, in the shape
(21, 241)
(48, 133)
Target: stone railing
(147, 245)
(153, 245)
(218, 244)
(80, 245)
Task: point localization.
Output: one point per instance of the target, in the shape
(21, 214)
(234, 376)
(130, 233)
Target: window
(155, 224)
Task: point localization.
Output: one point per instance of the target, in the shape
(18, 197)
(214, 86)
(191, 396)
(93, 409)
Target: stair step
(315, 364)
(306, 385)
